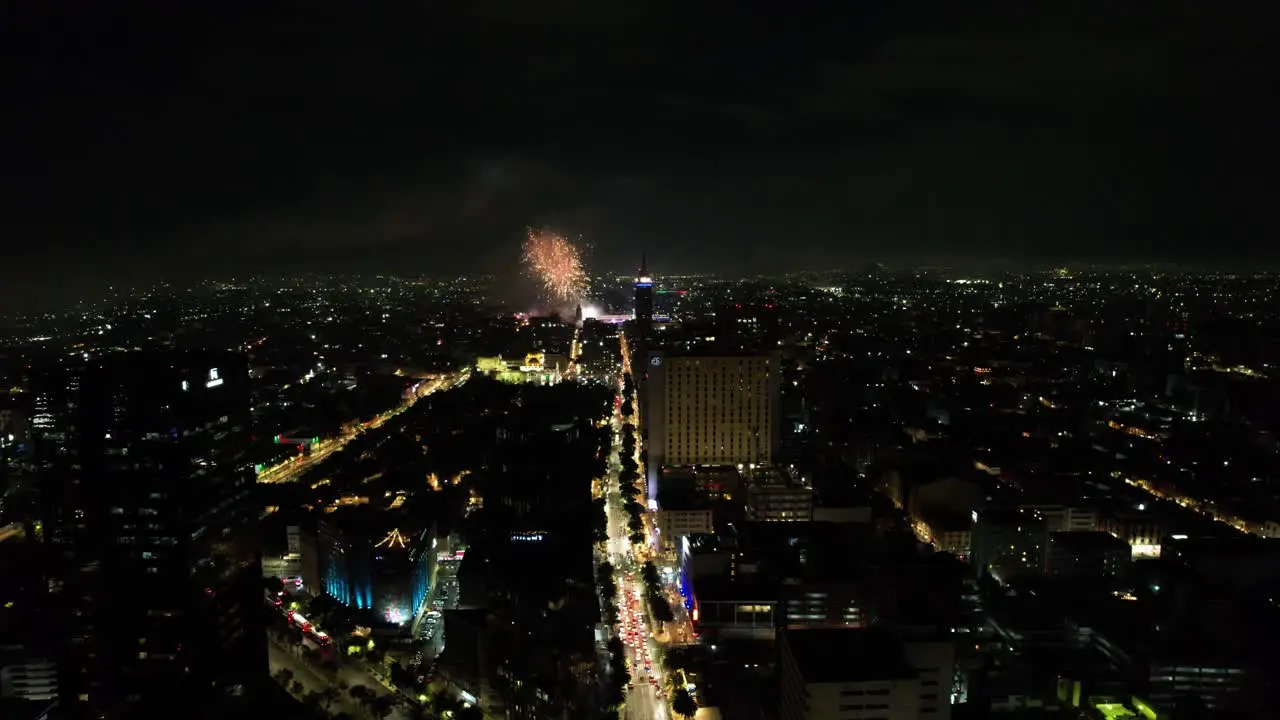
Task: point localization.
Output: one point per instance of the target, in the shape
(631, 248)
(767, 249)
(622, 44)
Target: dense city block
(908, 495)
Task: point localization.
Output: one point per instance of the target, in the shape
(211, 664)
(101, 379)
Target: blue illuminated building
(700, 556)
(389, 574)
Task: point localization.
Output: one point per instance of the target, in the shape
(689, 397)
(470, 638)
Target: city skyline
(616, 360)
(795, 475)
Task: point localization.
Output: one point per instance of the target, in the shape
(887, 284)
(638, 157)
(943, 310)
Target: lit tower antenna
(394, 541)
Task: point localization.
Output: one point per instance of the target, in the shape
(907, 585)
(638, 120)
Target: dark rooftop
(997, 516)
(20, 709)
(717, 589)
(847, 655)
(1088, 540)
(677, 495)
(704, 543)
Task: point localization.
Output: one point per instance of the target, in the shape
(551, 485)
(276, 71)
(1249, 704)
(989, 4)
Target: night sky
(416, 136)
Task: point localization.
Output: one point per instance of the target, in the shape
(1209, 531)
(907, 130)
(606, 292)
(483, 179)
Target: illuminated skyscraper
(14, 447)
(711, 410)
(389, 574)
(149, 527)
(644, 294)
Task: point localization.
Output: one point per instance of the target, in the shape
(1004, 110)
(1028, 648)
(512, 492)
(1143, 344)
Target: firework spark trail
(556, 263)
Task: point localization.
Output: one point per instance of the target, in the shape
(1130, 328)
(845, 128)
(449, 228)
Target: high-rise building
(644, 293)
(150, 530)
(14, 447)
(863, 674)
(710, 410)
(1010, 543)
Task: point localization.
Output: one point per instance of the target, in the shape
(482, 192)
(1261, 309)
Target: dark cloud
(751, 134)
